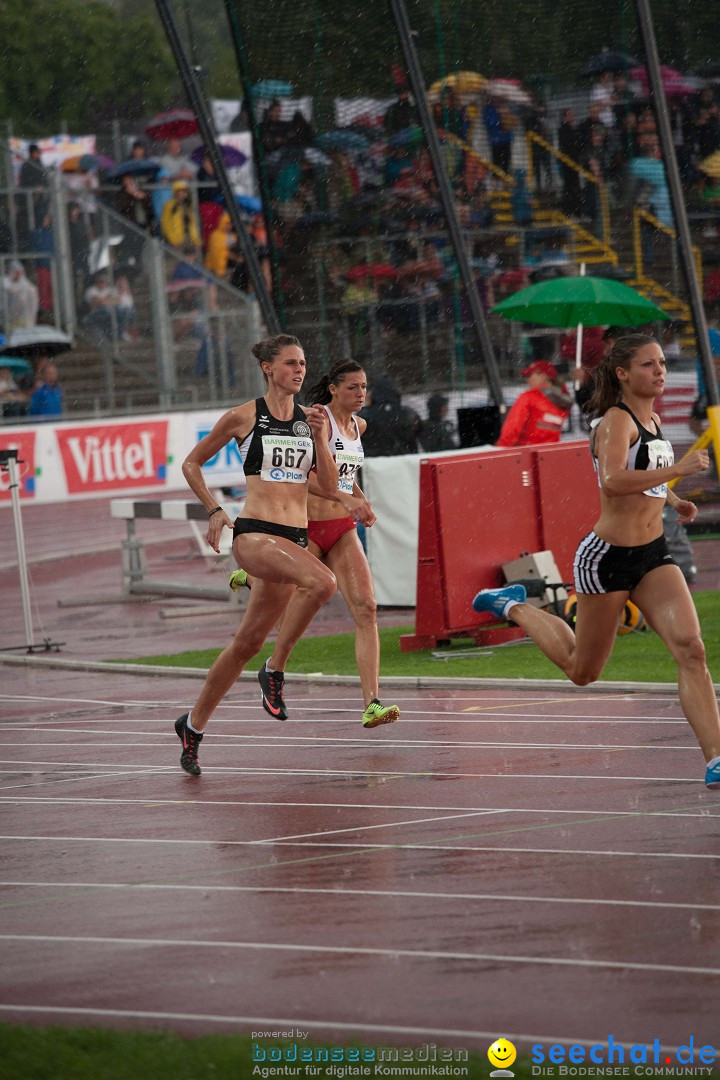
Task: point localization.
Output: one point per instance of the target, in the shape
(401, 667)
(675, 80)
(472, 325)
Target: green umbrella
(568, 301)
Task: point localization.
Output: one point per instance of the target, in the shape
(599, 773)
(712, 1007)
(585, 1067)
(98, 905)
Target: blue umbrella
(249, 203)
(272, 88)
(342, 139)
(407, 136)
(133, 167)
(16, 364)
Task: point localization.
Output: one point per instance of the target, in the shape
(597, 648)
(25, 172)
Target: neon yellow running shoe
(377, 713)
(238, 579)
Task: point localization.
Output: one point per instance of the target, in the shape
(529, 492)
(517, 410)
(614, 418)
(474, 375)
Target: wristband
(214, 511)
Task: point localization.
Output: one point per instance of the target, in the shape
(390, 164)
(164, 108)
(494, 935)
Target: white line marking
(350, 845)
(307, 742)
(383, 825)
(151, 801)
(504, 898)
(362, 950)
(359, 769)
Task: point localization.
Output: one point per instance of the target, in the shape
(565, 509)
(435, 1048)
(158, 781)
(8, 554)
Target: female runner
(332, 527)
(626, 555)
(275, 436)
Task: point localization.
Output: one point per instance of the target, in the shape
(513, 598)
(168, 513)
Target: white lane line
(359, 769)
(332, 844)
(275, 1023)
(308, 742)
(362, 950)
(438, 718)
(33, 779)
(382, 825)
(151, 802)
(504, 898)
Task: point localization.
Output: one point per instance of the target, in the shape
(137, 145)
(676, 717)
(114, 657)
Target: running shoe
(271, 684)
(238, 579)
(712, 775)
(191, 741)
(377, 713)
(494, 600)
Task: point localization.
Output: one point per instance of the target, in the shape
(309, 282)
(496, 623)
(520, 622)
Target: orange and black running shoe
(271, 684)
(191, 741)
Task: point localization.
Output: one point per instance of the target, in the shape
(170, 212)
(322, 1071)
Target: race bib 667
(286, 458)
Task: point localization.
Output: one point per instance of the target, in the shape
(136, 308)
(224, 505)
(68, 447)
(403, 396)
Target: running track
(541, 865)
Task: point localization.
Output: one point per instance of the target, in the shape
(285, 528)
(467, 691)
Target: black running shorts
(271, 528)
(600, 567)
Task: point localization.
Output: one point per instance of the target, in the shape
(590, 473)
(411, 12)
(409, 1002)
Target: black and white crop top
(649, 451)
(348, 453)
(280, 451)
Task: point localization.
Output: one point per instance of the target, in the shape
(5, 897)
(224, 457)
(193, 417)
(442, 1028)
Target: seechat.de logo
(501, 1054)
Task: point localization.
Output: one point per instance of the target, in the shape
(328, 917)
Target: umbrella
(463, 82)
(711, 165)
(510, 89)
(232, 158)
(711, 70)
(272, 88)
(607, 60)
(407, 137)
(378, 271)
(342, 139)
(175, 124)
(593, 301)
(134, 167)
(316, 157)
(45, 340)
(86, 163)
(17, 365)
(674, 82)
(249, 203)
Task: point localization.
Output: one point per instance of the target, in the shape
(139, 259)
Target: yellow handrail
(533, 137)
(447, 136)
(642, 215)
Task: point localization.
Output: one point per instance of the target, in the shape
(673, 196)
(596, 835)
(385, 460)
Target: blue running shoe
(494, 600)
(712, 775)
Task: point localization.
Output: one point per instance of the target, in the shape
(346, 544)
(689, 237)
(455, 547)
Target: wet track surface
(543, 865)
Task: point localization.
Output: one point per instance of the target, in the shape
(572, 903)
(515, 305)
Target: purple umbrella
(232, 158)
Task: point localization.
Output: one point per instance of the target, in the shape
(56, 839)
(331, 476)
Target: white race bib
(286, 459)
(348, 462)
(660, 456)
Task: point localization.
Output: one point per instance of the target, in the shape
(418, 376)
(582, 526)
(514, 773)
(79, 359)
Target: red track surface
(537, 865)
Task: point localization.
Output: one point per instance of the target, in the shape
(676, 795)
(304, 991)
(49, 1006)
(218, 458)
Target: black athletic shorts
(271, 528)
(600, 567)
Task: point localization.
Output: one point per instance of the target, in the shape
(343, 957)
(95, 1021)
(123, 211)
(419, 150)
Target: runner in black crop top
(277, 445)
(625, 555)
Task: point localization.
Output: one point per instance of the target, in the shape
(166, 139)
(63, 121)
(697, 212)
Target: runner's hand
(686, 511)
(695, 462)
(216, 524)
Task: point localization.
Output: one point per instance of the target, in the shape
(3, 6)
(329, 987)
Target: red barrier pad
(568, 497)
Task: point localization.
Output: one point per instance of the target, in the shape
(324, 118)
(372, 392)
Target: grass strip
(41, 1053)
(637, 657)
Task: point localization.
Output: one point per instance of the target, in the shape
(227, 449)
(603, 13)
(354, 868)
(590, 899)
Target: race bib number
(286, 459)
(348, 462)
(660, 456)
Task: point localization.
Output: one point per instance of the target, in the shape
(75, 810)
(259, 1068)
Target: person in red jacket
(539, 413)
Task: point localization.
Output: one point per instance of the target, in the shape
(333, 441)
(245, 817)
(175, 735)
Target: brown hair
(319, 394)
(607, 390)
(266, 350)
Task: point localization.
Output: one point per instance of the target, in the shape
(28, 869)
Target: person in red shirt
(540, 412)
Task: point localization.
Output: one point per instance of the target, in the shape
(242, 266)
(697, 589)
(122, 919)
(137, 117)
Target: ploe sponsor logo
(113, 457)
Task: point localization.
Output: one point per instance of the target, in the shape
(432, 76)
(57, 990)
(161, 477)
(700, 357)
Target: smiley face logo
(502, 1054)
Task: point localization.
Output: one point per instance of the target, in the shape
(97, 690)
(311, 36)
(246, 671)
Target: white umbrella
(510, 89)
(37, 339)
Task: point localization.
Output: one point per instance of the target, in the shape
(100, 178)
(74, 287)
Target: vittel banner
(114, 457)
(24, 443)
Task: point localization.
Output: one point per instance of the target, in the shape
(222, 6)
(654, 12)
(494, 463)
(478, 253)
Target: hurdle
(135, 583)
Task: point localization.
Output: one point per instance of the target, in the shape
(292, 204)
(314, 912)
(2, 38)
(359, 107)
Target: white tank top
(348, 453)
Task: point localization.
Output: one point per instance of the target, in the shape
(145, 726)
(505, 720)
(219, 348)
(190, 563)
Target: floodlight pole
(659, 103)
(417, 82)
(202, 115)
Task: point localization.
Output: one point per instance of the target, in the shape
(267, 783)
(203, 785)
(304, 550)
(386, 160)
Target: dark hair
(607, 390)
(265, 351)
(319, 394)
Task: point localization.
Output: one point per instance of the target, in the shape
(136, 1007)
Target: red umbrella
(371, 270)
(175, 124)
(674, 82)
